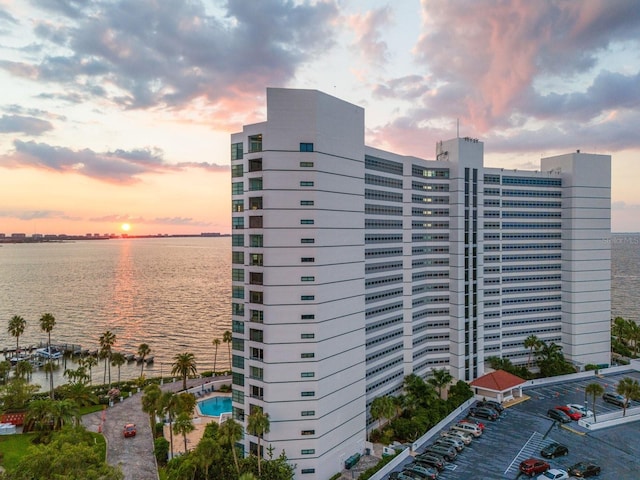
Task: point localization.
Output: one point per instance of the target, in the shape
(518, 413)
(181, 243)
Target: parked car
(449, 453)
(533, 466)
(484, 412)
(430, 460)
(558, 415)
(581, 408)
(615, 398)
(473, 422)
(554, 474)
(129, 430)
(497, 406)
(554, 450)
(422, 472)
(453, 442)
(457, 434)
(584, 470)
(573, 414)
(474, 430)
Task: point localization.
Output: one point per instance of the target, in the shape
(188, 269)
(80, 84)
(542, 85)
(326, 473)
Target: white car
(581, 408)
(466, 439)
(554, 474)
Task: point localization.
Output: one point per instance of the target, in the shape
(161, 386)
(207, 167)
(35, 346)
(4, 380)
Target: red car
(573, 414)
(129, 430)
(533, 466)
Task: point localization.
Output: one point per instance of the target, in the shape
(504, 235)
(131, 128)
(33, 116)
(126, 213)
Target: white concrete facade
(354, 267)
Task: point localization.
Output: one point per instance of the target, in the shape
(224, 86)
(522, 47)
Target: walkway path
(134, 455)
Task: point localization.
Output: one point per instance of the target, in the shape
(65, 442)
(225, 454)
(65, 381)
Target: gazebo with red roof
(498, 385)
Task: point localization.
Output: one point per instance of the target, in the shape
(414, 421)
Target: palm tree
(230, 432)
(107, 341)
(169, 406)
(595, 390)
(382, 407)
(184, 364)
(81, 394)
(216, 343)
(441, 378)
(23, 370)
(143, 351)
(90, 362)
(150, 401)
(227, 338)
(531, 342)
(117, 360)
(17, 324)
(47, 322)
(629, 388)
(182, 426)
(257, 425)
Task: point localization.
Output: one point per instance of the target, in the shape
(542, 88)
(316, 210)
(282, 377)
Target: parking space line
(525, 446)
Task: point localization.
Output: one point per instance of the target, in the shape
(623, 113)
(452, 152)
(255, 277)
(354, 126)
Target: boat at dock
(50, 353)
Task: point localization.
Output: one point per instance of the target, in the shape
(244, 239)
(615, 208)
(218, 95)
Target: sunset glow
(125, 227)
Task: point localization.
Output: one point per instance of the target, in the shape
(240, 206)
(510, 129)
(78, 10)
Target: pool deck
(199, 421)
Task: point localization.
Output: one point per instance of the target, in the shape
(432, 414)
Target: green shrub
(336, 476)
(370, 471)
(161, 450)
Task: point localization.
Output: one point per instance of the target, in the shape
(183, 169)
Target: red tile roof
(498, 381)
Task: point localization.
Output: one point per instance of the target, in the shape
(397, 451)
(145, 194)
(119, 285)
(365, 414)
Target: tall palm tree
(107, 341)
(182, 426)
(23, 370)
(216, 343)
(47, 322)
(531, 342)
(595, 390)
(17, 324)
(227, 338)
(151, 401)
(169, 406)
(382, 407)
(90, 362)
(439, 379)
(629, 388)
(184, 364)
(117, 360)
(258, 424)
(230, 432)
(143, 351)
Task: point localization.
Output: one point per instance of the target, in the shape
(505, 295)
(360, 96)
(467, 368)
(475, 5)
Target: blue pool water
(214, 406)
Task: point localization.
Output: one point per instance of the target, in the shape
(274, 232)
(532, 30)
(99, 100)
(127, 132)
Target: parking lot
(524, 429)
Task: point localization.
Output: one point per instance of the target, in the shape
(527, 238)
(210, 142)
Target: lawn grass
(13, 447)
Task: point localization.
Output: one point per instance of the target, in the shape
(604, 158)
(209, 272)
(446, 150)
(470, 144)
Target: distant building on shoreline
(354, 267)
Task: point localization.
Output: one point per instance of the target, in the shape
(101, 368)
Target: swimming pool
(215, 406)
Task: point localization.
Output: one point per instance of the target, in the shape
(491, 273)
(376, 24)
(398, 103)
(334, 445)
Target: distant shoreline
(66, 238)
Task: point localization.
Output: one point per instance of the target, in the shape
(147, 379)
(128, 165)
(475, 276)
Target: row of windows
(516, 214)
(430, 187)
(530, 258)
(389, 379)
(418, 171)
(388, 365)
(382, 224)
(530, 236)
(383, 353)
(382, 252)
(425, 275)
(430, 313)
(529, 204)
(521, 268)
(429, 225)
(425, 250)
(427, 338)
(429, 300)
(532, 332)
(382, 238)
(383, 338)
(380, 267)
(430, 325)
(382, 165)
(512, 301)
(430, 199)
(381, 195)
(520, 225)
(374, 282)
(526, 311)
(370, 179)
(530, 193)
(513, 323)
(541, 182)
(541, 288)
(428, 287)
(430, 237)
(382, 310)
(425, 351)
(390, 210)
(531, 246)
(427, 262)
(438, 212)
(383, 323)
(376, 297)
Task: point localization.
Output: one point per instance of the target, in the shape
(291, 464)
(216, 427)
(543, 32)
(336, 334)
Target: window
(236, 170)
(256, 297)
(236, 151)
(237, 223)
(255, 278)
(256, 335)
(308, 394)
(256, 373)
(307, 259)
(237, 396)
(307, 317)
(255, 221)
(256, 259)
(308, 470)
(307, 221)
(237, 274)
(257, 392)
(237, 309)
(256, 353)
(307, 297)
(256, 316)
(237, 206)
(307, 355)
(237, 257)
(307, 240)
(307, 451)
(306, 147)
(237, 326)
(237, 292)
(237, 188)
(237, 344)
(255, 183)
(307, 375)
(237, 240)
(237, 379)
(255, 203)
(255, 143)
(308, 432)
(255, 241)
(307, 335)
(306, 184)
(307, 279)
(255, 165)
(306, 164)
(306, 203)
(237, 361)
(307, 413)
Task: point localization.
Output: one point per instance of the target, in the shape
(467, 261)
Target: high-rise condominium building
(354, 267)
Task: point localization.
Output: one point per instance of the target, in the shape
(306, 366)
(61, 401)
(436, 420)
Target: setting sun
(125, 227)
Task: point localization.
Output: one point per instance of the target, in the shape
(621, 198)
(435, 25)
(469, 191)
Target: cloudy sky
(119, 111)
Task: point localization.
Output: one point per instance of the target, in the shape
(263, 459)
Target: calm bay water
(171, 293)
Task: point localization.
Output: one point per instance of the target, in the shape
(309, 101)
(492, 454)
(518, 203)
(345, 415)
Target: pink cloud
(368, 29)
